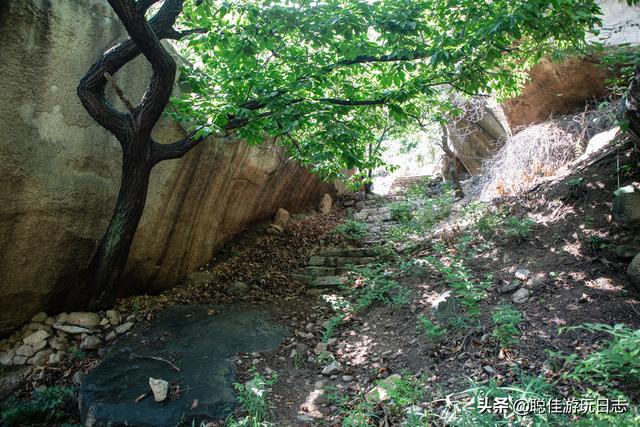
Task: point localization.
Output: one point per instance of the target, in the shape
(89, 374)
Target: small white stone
(523, 274)
(71, 329)
(160, 389)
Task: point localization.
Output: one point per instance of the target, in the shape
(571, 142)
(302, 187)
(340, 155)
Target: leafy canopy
(324, 77)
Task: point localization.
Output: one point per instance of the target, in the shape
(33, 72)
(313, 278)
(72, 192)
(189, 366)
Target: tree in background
(319, 77)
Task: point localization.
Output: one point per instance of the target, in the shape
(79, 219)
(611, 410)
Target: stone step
(329, 281)
(315, 271)
(350, 252)
(320, 261)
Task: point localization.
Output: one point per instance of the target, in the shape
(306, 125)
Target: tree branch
(91, 89)
(176, 149)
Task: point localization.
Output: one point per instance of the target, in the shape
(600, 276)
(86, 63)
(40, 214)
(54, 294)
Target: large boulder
(634, 271)
(556, 88)
(60, 171)
(626, 206)
(199, 345)
(476, 135)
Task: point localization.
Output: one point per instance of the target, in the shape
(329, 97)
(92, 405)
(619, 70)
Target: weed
(252, 398)
(331, 325)
(429, 329)
(352, 229)
(505, 325)
(373, 285)
(51, 405)
(403, 392)
(401, 211)
(618, 361)
(519, 229)
(489, 223)
(427, 212)
(459, 277)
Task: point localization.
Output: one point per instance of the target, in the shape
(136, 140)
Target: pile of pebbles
(51, 339)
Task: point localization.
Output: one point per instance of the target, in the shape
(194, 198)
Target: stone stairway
(379, 221)
(326, 269)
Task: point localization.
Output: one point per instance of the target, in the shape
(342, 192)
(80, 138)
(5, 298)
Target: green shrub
(519, 228)
(252, 398)
(619, 360)
(505, 325)
(352, 229)
(429, 329)
(331, 326)
(373, 285)
(459, 277)
(401, 211)
(49, 406)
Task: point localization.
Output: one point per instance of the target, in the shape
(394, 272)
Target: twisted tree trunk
(95, 287)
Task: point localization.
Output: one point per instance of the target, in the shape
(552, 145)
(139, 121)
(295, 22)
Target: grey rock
(113, 316)
(347, 378)
(20, 360)
(237, 289)
(50, 321)
(91, 342)
(121, 329)
(61, 318)
(329, 281)
(360, 205)
(79, 377)
(83, 319)
(58, 343)
(160, 389)
(348, 202)
(5, 358)
(626, 206)
(523, 274)
(521, 296)
(332, 368)
(40, 317)
(55, 358)
(104, 322)
(25, 350)
(111, 336)
(509, 286)
(71, 329)
(35, 338)
(199, 277)
(41, 357)
(633, 271)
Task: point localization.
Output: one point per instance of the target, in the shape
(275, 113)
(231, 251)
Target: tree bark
(95, 287)
(453, 169)
(632, 105)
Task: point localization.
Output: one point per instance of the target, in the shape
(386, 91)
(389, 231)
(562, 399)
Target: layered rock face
(60, 171)
(478, 134)
(556, 88)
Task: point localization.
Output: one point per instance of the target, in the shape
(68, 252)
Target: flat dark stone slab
(199, 344)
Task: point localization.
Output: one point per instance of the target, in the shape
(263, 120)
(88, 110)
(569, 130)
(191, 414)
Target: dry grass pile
(539, 150)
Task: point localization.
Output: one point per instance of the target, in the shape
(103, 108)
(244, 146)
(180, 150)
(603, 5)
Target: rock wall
(556, 88)
(60, 172)
(478, 134)
(563, 88)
